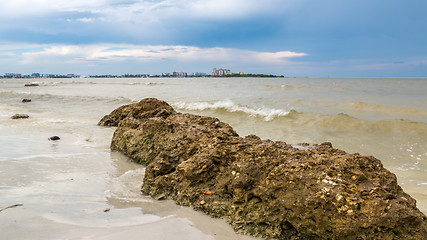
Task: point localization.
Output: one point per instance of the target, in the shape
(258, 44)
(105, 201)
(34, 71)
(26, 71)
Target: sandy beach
(71, 205)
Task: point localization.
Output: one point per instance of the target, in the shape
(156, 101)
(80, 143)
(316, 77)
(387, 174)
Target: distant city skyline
(215, 73)
(332, 38)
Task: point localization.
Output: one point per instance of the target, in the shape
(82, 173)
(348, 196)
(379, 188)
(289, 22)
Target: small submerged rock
(25, 100)
(31, 85)
(54, 138)
(18, 116)
(261, 187)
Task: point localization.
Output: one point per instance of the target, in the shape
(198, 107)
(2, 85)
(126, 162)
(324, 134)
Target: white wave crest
(230, 106)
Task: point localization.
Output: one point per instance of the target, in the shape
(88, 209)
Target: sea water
(75, 188)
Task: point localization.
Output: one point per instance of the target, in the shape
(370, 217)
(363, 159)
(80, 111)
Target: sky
(296, 38)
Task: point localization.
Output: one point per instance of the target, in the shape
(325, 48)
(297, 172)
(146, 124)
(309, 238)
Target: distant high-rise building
(179, 74)
(220, 72)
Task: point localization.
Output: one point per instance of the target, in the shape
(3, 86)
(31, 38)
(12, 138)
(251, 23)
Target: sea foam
(228, 105)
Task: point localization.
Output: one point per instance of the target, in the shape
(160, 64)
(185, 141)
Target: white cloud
(5, 55)
(10, 46)
(84, 20)
(123, 10)
(180, 10)
(122, 58)
(142, 21)
(278, 56)
(220, 9)
(28, 8)
(120, 52)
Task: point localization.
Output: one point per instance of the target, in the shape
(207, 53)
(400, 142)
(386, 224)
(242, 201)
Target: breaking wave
(330, 123)
(229, 106)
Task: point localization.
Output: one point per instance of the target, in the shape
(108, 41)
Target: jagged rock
(143, 110)
(264, 188)
(18, 116)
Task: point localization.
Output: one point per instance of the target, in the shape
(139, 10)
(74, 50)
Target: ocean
(76, 188)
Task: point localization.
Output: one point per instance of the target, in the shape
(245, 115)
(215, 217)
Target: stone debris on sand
(54, 138)
(264, 188)
(18, 116)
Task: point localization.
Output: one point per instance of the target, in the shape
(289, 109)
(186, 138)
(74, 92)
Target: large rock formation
(261, 187)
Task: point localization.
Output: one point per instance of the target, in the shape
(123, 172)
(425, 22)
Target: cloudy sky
(324, 38)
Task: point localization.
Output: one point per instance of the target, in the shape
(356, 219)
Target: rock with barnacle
(268, 189)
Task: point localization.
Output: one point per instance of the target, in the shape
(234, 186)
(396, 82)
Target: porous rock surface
(263, 188)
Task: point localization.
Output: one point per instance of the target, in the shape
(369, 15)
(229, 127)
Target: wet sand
(101, 202)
